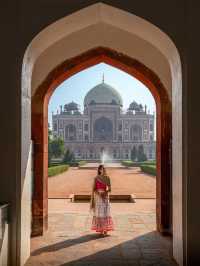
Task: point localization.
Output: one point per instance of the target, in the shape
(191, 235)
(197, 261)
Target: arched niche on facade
(103, 130)
(70, 132)
(136, 133)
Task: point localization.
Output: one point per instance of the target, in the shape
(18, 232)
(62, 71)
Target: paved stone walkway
(70, 242)
(124, 181)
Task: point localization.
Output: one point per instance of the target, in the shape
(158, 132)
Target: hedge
(77, 163)
(137, 164)
(73, 164)
(82, 163)
(148, 163)
(55, 170)
(149, 169)
(128, 163)
(53, 164)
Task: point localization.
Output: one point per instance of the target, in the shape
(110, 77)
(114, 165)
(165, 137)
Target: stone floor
(70, 242)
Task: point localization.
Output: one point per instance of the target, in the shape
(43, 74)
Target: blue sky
(76, 87)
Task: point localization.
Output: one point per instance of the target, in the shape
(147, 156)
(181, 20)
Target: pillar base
(39, 225)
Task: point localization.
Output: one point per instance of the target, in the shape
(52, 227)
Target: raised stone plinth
(113, 197)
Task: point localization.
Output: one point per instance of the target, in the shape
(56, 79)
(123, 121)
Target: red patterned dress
(102, 220)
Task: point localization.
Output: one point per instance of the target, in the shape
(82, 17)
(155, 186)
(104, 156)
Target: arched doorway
(70, 132)
(136, 133)
(103, 130)
(164, 120)
(126, 29)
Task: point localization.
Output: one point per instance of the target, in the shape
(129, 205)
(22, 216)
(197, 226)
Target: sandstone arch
(152, 48)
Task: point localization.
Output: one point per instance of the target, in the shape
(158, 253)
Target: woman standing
(102, 221)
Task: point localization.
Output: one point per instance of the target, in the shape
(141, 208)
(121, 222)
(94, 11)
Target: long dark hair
(101, 166)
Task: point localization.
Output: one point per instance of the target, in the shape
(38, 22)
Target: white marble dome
(103, 94)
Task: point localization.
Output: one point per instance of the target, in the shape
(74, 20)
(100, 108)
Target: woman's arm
(92, 195)
(93, 185)
(109, 185)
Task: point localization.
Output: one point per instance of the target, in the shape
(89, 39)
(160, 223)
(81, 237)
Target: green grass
(130, 163)
(77, 163)
(148, 168)
(82, 163)
(148, 163)
(73, 164)
(55, 170)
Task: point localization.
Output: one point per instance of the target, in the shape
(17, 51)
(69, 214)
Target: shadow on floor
(65, 244)
(150, 249)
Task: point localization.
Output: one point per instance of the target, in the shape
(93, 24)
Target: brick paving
(124, 181)
(70, 242)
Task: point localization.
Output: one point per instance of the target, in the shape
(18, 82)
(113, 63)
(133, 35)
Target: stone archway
(40, 123)
(132, 37)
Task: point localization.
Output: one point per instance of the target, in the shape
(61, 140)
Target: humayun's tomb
(103, 126)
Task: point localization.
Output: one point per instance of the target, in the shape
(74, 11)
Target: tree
(133, 153)
(50, 155)
(141, 156)
(49, 132)
(57, 147)
(68, 157)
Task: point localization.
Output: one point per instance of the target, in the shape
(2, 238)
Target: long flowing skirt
(102, 220)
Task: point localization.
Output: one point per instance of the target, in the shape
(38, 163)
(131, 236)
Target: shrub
(148, 163)
(55, 162)
(56, 147)
(77, 163)
(68, 157)
(137, 164)
(55, 170)
(133, 153)
(129, 163)
(50, 154)
(73, 164)
(52, 164)
(141, 156)
(82, 163)
(149, 169)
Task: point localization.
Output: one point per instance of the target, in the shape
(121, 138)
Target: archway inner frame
(40, 102)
